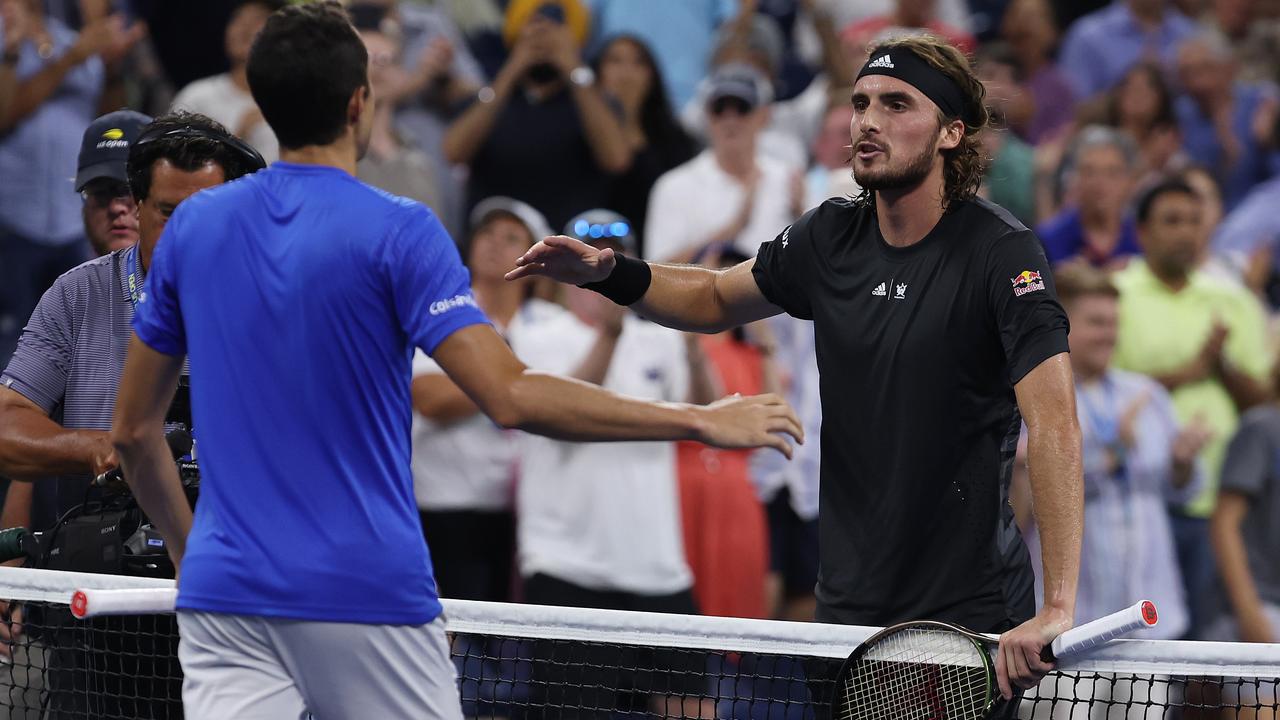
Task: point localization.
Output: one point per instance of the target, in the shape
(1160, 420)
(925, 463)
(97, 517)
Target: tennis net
(525, 662)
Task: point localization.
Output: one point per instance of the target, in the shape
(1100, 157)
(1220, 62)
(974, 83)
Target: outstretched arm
(684, 297)
(482, 365)
(1046, 397)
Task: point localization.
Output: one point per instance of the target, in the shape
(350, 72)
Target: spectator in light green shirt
(1200, 337)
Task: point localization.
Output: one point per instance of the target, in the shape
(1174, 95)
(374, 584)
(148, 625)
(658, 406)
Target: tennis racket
(928, 670)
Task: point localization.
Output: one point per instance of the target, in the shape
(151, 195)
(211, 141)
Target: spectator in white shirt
(226, 97)
(600, 524)
(465, 466)
(731, 193)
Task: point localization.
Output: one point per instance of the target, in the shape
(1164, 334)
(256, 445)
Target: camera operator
(58, 392)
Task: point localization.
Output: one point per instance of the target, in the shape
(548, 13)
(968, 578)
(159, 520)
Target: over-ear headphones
(244, 149)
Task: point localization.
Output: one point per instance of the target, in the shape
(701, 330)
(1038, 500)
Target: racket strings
(918, 674)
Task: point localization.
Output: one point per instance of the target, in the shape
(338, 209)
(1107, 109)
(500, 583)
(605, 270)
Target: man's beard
(887, 179)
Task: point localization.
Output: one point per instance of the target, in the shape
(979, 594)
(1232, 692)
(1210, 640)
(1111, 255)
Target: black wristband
(628, 282)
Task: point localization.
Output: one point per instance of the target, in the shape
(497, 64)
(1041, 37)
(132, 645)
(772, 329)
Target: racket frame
(982, 643)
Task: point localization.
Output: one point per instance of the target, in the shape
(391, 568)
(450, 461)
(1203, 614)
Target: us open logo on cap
(113, 138)
(884, 61)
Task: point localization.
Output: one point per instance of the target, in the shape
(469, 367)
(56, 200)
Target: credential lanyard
(134, 278)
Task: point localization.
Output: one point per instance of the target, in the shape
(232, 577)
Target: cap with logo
(533, 220)
(601, 225)
(741, 81)
(104, 150)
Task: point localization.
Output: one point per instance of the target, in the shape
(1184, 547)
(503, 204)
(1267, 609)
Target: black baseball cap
(104, 150)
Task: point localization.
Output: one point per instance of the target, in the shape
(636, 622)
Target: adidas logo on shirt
(880, 290)
(882, 62)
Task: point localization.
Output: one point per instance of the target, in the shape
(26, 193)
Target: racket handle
(141, 601)
(1139, 616)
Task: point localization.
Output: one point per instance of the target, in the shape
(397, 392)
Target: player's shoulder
(987, 218)
(989, 229)
(830, 218)
(405, 215)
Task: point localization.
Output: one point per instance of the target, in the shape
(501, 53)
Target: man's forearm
(32, 446)
(1232, 557)
(1057, 491)
(568, 409)
(152, 475)
(685, 297)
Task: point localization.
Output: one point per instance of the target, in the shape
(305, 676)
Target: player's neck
(906, 215)
(340, 154)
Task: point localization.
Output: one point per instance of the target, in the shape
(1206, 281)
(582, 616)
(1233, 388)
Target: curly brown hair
(965, 164)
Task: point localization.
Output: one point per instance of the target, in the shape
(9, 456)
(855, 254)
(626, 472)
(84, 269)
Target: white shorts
(245, 667)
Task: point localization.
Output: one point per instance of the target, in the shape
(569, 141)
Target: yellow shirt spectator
(1162, 331)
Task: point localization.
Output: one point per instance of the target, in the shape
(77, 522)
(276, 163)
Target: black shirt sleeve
(1032, 324)
(784, 268)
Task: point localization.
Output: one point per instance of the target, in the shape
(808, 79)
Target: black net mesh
(523, 678)
(112, 667)
(126, 667)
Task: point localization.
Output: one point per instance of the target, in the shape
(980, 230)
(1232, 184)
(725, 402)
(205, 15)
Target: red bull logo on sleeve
(1026, 281)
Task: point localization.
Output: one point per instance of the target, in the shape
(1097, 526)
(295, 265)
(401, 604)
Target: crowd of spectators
(1139, 138)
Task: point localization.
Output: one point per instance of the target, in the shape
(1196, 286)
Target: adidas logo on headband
(881, 62)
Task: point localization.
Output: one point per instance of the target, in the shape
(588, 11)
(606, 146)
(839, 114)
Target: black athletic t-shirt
(919, 349)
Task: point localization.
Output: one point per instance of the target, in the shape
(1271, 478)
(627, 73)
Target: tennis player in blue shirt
(298, 295)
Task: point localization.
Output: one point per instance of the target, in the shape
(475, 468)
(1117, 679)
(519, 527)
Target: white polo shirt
(696, 200)
(606, 515)
(472, 464)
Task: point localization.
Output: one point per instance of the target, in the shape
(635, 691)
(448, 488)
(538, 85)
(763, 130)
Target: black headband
(910, 68)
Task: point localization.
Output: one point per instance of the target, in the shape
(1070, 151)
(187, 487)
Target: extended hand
(750, 422)
(564, 259)
(1018, 663)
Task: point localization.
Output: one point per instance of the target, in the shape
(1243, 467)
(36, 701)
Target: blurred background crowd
(1139, 138)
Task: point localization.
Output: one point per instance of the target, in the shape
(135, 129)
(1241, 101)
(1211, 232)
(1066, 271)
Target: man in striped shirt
(58, 392)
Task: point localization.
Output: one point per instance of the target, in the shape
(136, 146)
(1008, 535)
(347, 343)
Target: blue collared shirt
(38, 158)
(1101, 46)
(1200, 140)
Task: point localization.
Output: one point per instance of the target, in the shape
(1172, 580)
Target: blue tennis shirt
(298, 294)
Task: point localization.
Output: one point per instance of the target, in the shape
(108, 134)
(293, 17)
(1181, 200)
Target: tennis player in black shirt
(938, 334)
